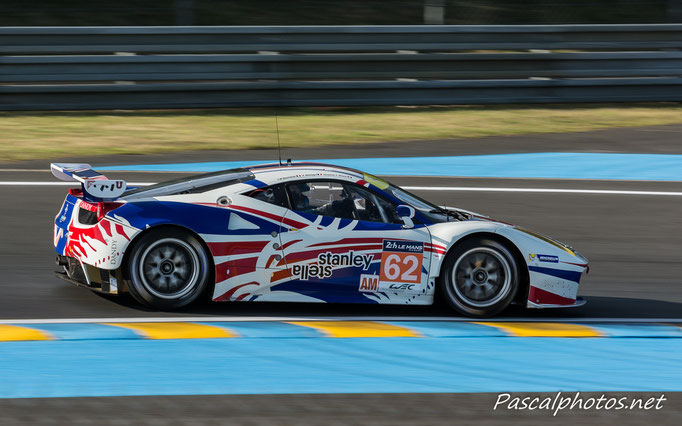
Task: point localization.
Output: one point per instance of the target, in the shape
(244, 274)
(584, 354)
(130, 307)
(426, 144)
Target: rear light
(104, 208)
(76, 192)
(97, 211)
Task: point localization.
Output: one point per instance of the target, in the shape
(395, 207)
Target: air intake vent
(87, 217)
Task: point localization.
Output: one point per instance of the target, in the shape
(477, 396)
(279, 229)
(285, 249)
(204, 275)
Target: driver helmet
(298, 198)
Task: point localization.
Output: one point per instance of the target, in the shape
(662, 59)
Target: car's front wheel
(168, 269)
(479, 278)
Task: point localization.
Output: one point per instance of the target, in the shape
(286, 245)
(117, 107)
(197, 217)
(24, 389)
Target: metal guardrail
(182, 67)
(424, 38)
(147, 68)
(253, 94)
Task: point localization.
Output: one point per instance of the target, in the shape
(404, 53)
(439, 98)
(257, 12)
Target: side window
(321, 198)
(342, 200)
(371, 207)
(272, 194)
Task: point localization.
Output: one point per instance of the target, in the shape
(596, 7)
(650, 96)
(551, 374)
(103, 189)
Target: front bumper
(555, 286)
(579, 301)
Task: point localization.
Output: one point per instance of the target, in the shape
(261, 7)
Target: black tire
(167, 269)
(479, 278)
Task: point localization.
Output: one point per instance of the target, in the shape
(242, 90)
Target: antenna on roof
(279, 146)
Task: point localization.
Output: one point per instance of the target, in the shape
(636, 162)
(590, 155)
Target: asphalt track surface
(325, 410)
(632, 241)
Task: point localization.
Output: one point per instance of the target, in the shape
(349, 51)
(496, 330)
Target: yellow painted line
(544, 329)
(175, 330)
(358, 329)
(11, 333)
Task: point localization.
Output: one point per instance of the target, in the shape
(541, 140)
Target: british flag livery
(309, 232)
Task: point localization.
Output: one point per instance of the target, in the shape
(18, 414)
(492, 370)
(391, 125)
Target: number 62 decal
(401, 262)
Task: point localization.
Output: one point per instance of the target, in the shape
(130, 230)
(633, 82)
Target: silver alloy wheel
(169, 268)
(481, 277)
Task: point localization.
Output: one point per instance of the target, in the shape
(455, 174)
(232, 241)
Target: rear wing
(96, 186)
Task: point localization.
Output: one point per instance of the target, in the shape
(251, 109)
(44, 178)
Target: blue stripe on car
(559, 273)
(326, 220)
(257, 183)
(200, 219)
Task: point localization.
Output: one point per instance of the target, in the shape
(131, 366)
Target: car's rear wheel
(479, 278)
(168, 269)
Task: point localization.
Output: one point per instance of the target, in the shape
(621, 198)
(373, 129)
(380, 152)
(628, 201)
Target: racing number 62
(404, 268)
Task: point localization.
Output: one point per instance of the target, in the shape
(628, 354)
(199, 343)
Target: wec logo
(403, 287)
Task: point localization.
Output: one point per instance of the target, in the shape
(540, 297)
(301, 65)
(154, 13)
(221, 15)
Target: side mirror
(406, 213)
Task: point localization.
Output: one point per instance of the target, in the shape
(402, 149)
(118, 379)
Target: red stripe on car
(544, 297)
(231, 248)
(225, 271)
(350, 241)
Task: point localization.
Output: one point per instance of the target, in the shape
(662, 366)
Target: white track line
(540, 190)
(429, 188)
(341, 318)
(24, 170)
(11, 183)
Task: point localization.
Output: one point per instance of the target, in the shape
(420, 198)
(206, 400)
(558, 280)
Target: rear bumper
(579, 301)
(75, 272)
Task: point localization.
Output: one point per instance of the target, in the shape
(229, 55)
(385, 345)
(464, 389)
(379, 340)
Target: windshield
(192, 184)
(432, 211)
(411, 199)
(399, 193)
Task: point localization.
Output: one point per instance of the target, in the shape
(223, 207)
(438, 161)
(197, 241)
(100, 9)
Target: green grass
(60, 134)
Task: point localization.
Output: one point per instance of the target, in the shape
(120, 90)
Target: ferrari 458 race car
(303, 232)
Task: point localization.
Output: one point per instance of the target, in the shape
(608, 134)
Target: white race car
(303, 232)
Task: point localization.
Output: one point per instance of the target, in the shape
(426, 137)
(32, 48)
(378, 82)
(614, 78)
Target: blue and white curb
(129, 358)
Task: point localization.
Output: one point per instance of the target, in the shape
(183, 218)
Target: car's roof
(274, 172)
(257, 175)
